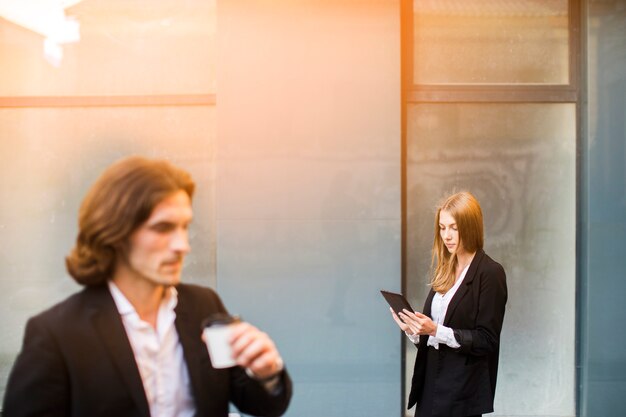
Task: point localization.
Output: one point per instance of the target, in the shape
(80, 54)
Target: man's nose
(180, 241)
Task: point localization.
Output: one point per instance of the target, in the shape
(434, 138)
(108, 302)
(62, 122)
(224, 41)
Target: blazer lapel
(464, 287)
(428, 304)
(194, 349)
(110, 328)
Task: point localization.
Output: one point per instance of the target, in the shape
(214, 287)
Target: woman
(458, 334)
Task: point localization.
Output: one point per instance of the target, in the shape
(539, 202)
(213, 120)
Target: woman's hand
(417, 323)
(402, 325)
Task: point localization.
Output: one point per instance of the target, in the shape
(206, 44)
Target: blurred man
(129, 343)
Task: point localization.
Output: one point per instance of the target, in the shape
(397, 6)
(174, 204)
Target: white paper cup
(216, 334)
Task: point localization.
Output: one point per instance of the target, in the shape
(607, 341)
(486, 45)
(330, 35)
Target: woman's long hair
(116, 205)
(465, 210)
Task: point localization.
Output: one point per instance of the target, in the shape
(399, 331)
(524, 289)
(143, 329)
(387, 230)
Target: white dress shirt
(159, 356)
(438, 310)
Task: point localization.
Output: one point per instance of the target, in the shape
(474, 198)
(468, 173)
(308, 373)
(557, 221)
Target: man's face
(158, 246)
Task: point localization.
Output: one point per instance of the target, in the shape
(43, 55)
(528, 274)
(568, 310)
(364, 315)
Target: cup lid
(220, 319)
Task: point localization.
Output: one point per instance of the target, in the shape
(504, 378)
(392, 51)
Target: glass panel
(107, 47)
(490, 42)
(520, 162)
(603, 229)
(49, 158)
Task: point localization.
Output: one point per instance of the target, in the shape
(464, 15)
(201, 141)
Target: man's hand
(254, 350)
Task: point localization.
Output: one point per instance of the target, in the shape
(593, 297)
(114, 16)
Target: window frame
(108, 101)
(572, 92)
(494, 93)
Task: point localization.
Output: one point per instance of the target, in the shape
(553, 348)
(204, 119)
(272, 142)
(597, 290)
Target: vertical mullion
(574, 14)
(406, 68)
(578, 32)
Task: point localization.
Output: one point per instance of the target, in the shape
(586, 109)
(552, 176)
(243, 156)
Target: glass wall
(603, 311)
(297, 214)
(49, 158)
(519, 162)
(58, 132)
(492, 108)
(304, 197)
(107, 47)
(491, 42)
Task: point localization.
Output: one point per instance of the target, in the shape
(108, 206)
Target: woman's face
(449, 232)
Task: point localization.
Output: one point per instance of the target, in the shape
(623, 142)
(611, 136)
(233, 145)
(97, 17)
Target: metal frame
(406, 65)
(493, 93)
(108, 101)
(578, 9)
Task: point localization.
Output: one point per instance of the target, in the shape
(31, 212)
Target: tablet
(396, 301)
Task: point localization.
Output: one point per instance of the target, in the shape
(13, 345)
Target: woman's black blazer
(465, 381)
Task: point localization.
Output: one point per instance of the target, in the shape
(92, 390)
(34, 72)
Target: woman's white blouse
(438, 310)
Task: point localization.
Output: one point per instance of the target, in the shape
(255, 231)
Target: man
(129, 344)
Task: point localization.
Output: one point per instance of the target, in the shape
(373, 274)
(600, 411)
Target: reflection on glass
(490, 42)
(49, 158)
(519, 161)
(46, 18)
(124, 48)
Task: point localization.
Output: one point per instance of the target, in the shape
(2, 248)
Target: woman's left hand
(419, 323)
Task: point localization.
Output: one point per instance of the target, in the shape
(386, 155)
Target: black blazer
(76, 360)
(465, 382)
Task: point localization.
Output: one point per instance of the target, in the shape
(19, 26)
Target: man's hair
(120, 201)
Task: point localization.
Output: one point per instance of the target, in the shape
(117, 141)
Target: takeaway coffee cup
(216, 333)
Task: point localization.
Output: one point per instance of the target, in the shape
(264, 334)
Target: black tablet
(396, 301)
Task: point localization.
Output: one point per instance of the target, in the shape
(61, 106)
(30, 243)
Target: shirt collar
(124, 307)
